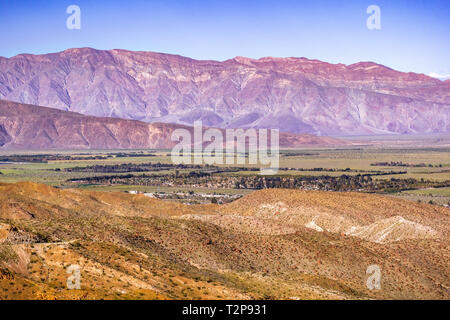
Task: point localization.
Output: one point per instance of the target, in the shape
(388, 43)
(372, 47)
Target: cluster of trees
(149, 166)
(136, 167)
(401, 164)
(44, 158)
(297, 154)
(372, 172)
(132, 154)
(328, 183)
(195, 179)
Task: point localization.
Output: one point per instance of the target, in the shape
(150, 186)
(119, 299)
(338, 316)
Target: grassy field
(335, 162)
(439, 196)
(438, 192)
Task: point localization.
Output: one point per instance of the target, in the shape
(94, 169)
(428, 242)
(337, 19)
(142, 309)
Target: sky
(414, 34)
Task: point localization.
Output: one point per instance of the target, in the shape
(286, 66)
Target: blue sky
(414, 34)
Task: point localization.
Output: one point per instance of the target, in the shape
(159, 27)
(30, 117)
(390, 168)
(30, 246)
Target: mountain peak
(243, 60)
(366, 65)
(298, 95)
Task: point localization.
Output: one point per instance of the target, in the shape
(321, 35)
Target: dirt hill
(271, 244)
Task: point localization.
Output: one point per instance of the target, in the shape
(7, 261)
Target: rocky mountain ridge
(295, 95)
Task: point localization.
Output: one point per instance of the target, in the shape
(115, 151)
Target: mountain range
(295, 95)
(29, 127)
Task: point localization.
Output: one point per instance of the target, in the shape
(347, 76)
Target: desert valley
(87, 179)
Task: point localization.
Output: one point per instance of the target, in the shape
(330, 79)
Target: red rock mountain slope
(32, 127)
(293, 94)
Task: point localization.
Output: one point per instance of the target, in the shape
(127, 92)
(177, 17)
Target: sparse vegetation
(259, 246)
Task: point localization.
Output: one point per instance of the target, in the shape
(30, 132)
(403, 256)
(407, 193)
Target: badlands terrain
(270, 244)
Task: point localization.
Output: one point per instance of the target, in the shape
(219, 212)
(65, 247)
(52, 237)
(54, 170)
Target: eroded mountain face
(293, 94)
(29, 127)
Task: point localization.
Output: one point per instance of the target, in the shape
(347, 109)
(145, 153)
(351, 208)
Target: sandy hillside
(271, 244)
